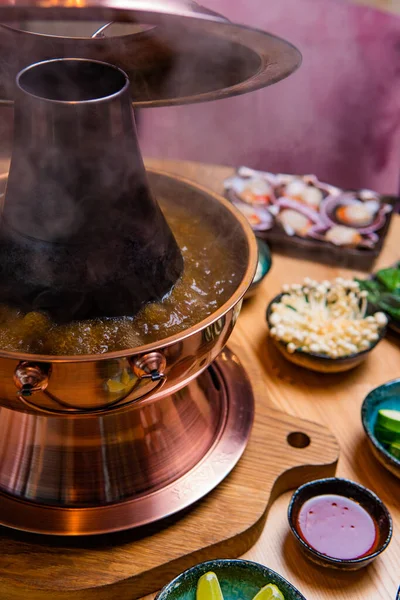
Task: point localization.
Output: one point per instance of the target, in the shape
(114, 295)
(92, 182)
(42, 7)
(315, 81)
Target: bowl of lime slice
(226, 579)
(380, 415)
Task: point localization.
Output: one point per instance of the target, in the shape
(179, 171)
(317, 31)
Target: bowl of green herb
(384, 293)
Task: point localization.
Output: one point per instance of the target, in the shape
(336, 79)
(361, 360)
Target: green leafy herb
(390, 278)
(374, 289)
(384, 291)
(390, 303)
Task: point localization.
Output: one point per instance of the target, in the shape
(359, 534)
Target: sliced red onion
(318, 231)
(331, 190)
(379, 222)
(311, 214)
(373, 237)
(327, 207)
(386, 208)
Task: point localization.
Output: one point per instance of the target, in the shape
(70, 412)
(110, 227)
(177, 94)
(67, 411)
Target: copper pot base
(225, 388)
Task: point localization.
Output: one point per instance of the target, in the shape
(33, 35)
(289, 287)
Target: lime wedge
(395, 449)
(269, 592)
(208, 587)
(389, 419)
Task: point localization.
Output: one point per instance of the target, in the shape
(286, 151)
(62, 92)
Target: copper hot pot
(76, 458)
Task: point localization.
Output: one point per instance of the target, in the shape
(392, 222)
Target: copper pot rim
(143, 32)
(115, 11)
(203, 14)
(168, 341)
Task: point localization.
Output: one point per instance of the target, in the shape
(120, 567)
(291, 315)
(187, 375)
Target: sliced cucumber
(389, 419)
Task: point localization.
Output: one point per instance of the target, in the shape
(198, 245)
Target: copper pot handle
(99, 33)
(31, 378)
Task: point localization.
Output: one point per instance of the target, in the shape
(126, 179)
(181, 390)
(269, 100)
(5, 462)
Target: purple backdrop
(337, 117)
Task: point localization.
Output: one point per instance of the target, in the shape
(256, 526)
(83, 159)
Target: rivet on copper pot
(150, 366)
(31, 377)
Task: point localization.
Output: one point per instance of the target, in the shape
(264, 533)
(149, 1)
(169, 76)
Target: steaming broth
(209, 279)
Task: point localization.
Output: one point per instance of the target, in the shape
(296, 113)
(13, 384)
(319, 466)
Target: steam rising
(81, 235)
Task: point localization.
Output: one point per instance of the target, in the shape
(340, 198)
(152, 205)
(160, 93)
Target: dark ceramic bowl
(384, 396)
(319, 362)
(239, 580)
(394, 325)
(263, 267)
(341, 487)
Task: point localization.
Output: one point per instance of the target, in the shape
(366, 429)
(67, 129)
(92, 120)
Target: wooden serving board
(226, 523)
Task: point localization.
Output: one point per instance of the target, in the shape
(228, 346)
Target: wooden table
(332, 400)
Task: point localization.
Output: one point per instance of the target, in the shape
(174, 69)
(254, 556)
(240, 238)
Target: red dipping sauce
(337, 527)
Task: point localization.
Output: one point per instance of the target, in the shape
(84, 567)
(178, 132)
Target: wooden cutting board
(226, 523)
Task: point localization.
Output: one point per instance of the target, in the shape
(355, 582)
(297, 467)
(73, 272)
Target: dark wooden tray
(360, 259)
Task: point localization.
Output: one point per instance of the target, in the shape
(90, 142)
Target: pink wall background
(338, 116)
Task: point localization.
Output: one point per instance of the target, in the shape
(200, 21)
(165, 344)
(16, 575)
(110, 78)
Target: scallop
(306, 194)
(359, 214)
(294, 222)
(257, 191)
(343, 236)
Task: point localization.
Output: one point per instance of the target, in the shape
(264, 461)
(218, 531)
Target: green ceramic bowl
(263, 267)
(384, 396)
(239, 580)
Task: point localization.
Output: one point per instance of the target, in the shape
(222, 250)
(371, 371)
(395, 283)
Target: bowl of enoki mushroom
(324, 326)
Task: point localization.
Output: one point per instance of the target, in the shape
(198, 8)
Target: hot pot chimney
(81, 235)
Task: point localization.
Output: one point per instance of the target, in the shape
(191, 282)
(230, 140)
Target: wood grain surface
(227, 522)
(31, 565)
(332, 400)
